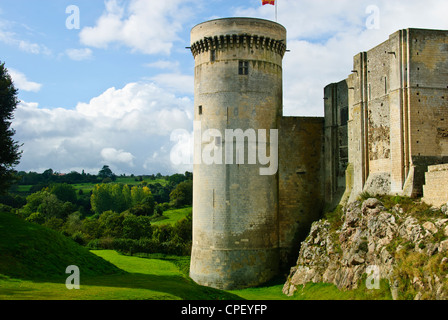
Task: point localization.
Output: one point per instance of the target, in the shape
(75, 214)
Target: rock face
(410, 253)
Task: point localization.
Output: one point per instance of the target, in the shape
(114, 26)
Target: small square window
(243, 68)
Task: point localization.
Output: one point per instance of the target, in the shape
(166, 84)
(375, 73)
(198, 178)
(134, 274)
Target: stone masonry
(435, 189)
(397, 97)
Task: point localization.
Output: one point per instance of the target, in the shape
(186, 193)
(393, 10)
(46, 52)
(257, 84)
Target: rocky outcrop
(408, 251)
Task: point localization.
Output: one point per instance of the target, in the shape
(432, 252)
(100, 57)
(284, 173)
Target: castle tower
(238, 85)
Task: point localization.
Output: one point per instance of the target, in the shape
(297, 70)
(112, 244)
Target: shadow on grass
(179, 286)
(176, 285)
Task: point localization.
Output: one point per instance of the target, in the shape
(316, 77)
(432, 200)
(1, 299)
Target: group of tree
(119, 216)
(120, 197)
(104, 175)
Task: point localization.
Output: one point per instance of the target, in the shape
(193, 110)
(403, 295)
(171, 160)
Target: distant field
(87, 187)
(173, 216)
(131, 180)
(24, 188)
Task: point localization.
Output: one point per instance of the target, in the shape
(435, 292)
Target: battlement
(236, 41)
(230, 33)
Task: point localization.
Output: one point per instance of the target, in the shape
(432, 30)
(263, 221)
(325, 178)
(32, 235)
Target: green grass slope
(31, 251)
(158, 278)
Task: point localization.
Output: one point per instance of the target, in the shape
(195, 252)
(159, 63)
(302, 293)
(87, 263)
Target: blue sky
(114, 90)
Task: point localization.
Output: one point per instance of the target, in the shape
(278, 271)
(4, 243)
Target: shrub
(131, 246)
(335, 217)
(364, 196)
(79, 238)
(137, 227)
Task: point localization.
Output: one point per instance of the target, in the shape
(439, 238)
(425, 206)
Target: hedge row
(131, 246)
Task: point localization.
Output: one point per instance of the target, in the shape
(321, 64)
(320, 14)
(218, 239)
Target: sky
(111, 82)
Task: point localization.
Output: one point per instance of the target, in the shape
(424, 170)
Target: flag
(271, 2)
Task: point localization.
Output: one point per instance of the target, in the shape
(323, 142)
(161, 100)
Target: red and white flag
(271, 2)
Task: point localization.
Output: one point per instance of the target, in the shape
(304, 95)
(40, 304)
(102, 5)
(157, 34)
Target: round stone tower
(238, 102)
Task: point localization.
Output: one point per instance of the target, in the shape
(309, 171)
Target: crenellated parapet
(231, 41)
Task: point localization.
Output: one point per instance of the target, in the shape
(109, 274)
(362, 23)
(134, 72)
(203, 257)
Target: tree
(142, 201)
(182, 230)
(176, 178)
(9, 149)
(101, 199)
(111, 224)
(106, 172)
(64, 192)
(48, 174)
(137, 227)
(47, 205)
(162, 233)
(183, 194)
(118, 197)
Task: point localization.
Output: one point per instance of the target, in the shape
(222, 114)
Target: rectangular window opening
(212, 55)
(200, 110)
(344, 116)
(243, 68)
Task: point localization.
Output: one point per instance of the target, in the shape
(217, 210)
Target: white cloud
(79, 54)
(33, 48)
(144, 26)
(112, 155)
(10, 38)
(163, 64)
(22, 83)
(26, 46)
(175, 82)
(139, 106)
(121, 127)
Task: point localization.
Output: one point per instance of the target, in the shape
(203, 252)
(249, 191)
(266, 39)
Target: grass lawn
(142, 279)
(269, 291)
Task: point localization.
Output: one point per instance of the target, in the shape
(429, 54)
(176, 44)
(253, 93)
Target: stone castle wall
(398, 113)
(301, 171)
(435, 189)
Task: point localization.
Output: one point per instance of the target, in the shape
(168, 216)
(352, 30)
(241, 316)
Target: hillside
(401, 243)
(31, 251)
